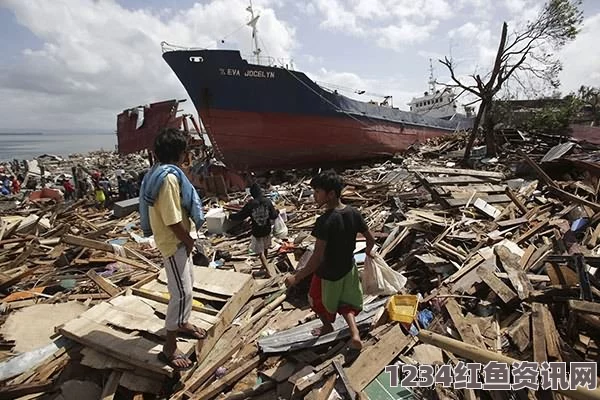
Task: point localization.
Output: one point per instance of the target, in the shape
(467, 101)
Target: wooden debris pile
(500, 261)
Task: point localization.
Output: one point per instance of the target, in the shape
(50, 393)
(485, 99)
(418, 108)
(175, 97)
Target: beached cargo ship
(265, 116)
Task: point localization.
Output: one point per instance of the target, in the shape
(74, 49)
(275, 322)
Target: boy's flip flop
(162, 357)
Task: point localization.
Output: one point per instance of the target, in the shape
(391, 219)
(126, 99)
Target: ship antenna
(252, 23)
(431, 78)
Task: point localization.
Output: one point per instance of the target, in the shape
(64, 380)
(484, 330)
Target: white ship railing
(266, 61)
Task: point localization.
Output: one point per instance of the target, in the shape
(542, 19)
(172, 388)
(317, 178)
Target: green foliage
(590, 98)
(552, 119)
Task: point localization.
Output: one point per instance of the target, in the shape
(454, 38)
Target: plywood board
(198, 318)
(216, 281)
(123, 346)
(161, 286)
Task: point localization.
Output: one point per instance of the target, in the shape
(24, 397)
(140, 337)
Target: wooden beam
(208, 368)
(455, 171)
(497, 286)
(92, 244)
(538, 334)
(15, 391)
(104, 284)
(463, 327)
(340, 370)
(111, 386)
(482, 355)
(373, 359)
(585, 307)
(270, 268)
(516, 200)
(218, 386)
(539, 171)
(491, 199)
(131, 262)
(527, 235)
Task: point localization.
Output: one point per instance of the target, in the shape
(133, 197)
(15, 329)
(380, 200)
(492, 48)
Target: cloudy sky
(75, 64)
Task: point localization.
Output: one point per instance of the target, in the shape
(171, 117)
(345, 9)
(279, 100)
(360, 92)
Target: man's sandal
(196, 332)
(170, 361)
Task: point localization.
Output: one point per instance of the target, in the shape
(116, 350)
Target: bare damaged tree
(521, 56)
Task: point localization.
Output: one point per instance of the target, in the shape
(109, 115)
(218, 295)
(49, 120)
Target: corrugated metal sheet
(558, 151)
(300, 337)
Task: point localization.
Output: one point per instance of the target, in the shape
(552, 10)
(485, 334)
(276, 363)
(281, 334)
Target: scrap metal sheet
(300, 337)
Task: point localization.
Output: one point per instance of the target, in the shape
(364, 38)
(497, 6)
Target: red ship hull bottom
(248, 140)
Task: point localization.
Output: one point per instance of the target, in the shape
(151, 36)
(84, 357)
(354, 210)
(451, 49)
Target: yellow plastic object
(196, 303)
(403, 308)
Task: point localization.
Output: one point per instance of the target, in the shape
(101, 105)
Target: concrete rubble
(500, 263)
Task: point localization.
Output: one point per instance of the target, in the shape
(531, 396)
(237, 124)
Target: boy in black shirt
(261, 213)
(335, 286)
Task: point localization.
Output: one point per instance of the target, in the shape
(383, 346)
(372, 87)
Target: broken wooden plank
(492, 199)
(456, 180)
(532, 277)
(516, 275)
(586, 307)
(513, 197)
(519, 332)
(486, 208)
(530, 233)
(512, 222)
(16, 391)
(324, 392)
(464, 329)
(552, 336)
(538, 333)
(340, 370)
(309, 376)
(484, 356)
(229, 378)
(110, 388)
(497, 286)
(455, 171)
(270, 268)
(373, 359)
(104, 284)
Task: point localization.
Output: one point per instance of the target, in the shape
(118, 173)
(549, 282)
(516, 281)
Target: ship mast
(431, 78)
(252, 23)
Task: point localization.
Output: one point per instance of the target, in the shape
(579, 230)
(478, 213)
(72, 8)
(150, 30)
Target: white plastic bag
(379, 279)
(280, 229)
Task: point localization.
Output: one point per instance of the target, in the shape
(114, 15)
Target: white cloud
(98, 58)
(581, 61)
(306, 8)
(465, 31)
(515, 6)
(391, 23)
(337, 17)
(394, 37)
(347, 83)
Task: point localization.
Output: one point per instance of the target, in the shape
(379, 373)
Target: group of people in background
(102, 189)
(10, 184)
(127, 188)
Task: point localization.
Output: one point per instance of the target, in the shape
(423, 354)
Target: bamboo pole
(483, 356)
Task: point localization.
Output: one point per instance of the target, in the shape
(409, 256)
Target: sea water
(28, 145)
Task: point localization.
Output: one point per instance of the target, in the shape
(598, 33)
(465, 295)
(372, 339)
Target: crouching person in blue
(167, 202)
